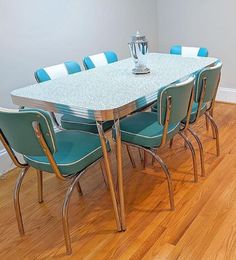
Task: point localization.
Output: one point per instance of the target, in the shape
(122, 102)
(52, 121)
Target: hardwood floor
(203, 226)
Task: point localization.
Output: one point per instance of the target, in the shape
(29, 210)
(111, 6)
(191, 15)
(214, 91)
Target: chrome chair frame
(153, 151)
(75, 182)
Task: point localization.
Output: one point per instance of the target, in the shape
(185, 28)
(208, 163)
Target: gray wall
(36, 33)
(209, 23)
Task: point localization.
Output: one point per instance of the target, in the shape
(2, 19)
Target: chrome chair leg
(103, 175)
(17, 200)
(144, 159)
(79, 189)
(201, 151)
(140, 155)
(130, 156)
(207, 123)
(168, 176)
(188, 143)
(40, 186)
(214, 125)
(65, 209)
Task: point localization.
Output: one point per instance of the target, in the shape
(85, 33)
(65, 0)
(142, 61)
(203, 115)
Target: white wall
(209, 23)
(35, 34)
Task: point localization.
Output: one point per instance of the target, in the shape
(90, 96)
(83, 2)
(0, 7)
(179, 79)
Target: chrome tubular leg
(65, 209)
(103, 175)
(140, 155)
(79, 189)
(120, 173)
(17, 200)
(168, 176)
(109, 175)
(130, 156)
(200, 150)
(188, 143)
(214, 125)
(207, 123)
(40, 186)
(144, 160)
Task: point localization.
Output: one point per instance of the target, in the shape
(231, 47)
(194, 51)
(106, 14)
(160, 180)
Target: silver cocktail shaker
(139, 50)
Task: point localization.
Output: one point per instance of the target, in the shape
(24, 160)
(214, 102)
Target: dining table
(110, 92)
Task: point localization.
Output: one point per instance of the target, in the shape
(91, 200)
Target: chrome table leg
(109, 175)
(120, 173)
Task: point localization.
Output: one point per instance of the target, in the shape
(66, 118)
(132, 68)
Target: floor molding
(226, 95)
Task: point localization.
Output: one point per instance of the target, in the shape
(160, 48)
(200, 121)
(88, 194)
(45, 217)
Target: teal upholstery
(143, 129)
(57, 71)
(193, 112)
(180, 95)
(17, 128)
(146, 128)
(212, 75)
(189, 51)
(72, 150)
(101, 59)
(76, 151)
(83, 124)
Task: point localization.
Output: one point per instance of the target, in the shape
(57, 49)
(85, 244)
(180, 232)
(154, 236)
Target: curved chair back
(189, 51)
(101, 59)
(175, 102)
(207, 83)
(16, 127)
(57, 71)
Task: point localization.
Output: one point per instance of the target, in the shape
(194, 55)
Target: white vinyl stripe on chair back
(99, 59)
(57, 71)
(190, 51)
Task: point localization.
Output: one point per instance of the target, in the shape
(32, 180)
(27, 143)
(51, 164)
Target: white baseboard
(6, 163)
(226, 95)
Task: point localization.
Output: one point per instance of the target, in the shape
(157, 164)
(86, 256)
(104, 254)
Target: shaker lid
(138, 37)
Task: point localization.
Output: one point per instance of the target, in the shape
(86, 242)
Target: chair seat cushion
(78, 123)
(143, 129)
(75, 151)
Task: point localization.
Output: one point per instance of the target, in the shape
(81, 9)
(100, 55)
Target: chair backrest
(189, 51)
(101, 59)
(17, 129)
(207, 83)
(57, 71)
(179, 96)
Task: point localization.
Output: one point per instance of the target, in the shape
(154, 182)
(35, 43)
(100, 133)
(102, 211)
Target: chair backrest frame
(200, 97)
(168, 110)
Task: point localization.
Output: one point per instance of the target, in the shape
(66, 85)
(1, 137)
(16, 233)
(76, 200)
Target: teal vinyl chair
(149, 131)
(67, 154)
(101, 59)
(57, 71)
(206, 87)
(189, 51)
